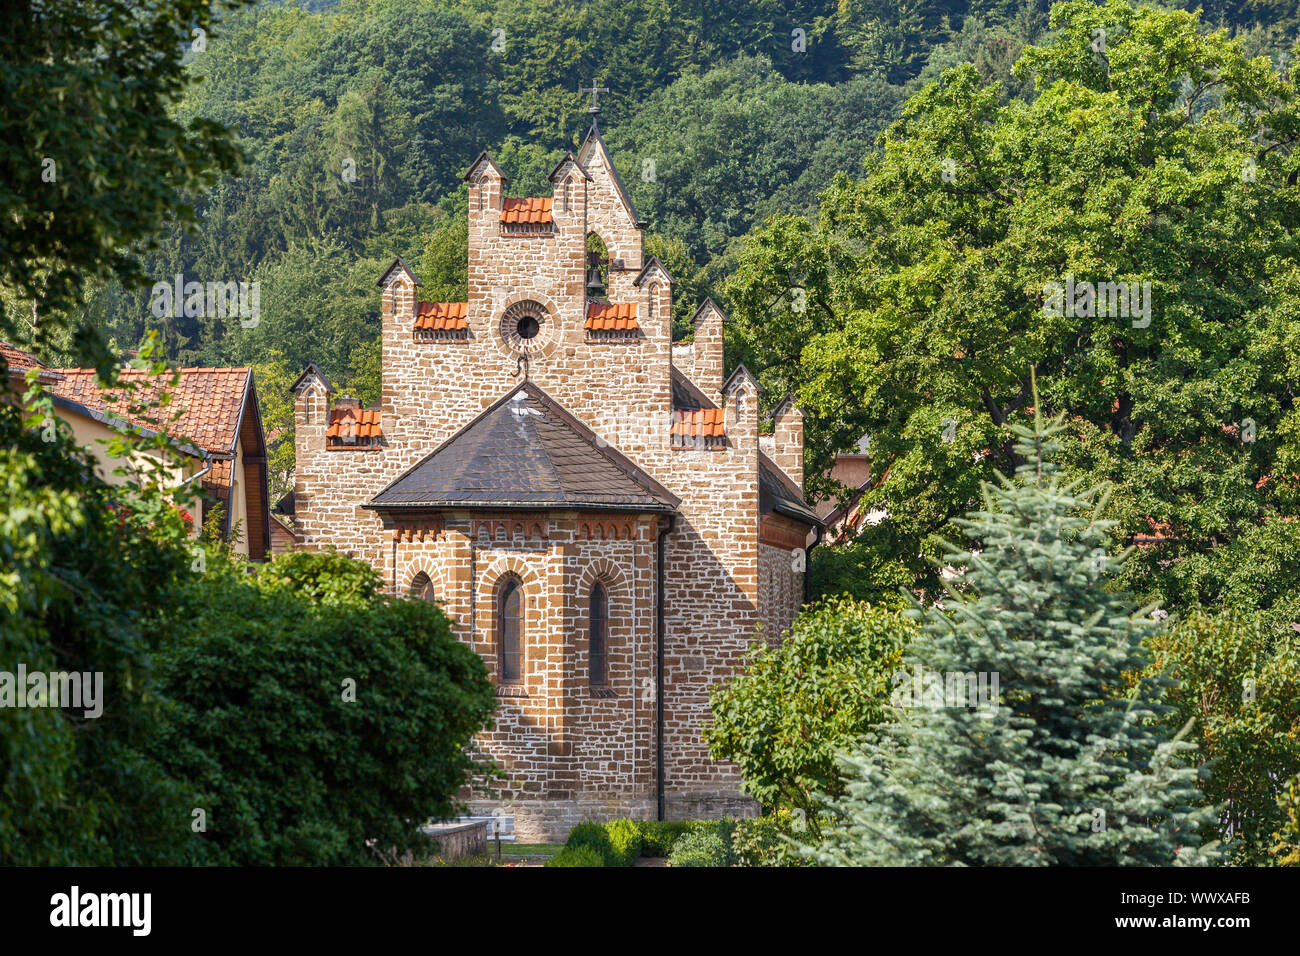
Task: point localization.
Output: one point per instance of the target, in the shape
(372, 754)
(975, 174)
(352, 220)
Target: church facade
(593, 507)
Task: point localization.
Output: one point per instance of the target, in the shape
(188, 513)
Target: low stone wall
(460, 839)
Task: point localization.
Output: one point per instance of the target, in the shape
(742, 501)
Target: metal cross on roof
(595, 91)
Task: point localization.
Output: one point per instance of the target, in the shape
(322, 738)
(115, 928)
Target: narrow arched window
(568, 183)
(654, 296)
(510, 627)
(422, 588)
(598, 647)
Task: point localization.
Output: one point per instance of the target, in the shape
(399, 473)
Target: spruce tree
(1064, 763)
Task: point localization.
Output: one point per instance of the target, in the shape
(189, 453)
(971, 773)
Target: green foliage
(272, 377)
(618, 843)
(1238, 678)
(924, 287)
(624, 841)
(701, 847)
(658, 836)
(312, 714)
(122, 164)
(1061, 762)
(769, 840)
(796, 705)
(577, 856)
(86, 582)
(1285, 850)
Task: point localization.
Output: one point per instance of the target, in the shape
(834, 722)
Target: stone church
(595, 508)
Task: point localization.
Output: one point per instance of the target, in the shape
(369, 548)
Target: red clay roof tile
(442, 316)
(204, 407)
(531, 210)
(698, 422)
(611, 317)
(348, 422)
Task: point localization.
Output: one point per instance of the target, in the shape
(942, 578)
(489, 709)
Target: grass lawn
(527, 849)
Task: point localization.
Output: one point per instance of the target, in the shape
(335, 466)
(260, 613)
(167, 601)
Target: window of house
(422, 588)
(598, 647)
(567, 186)
(510, 627)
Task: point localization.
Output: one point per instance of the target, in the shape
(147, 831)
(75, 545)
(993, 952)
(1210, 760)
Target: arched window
(597, 651)
(422, 588)
(568, 183)
(654, 299)
(510, 631)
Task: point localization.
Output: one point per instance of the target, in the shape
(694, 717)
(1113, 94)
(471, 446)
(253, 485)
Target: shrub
(625, 841)
(797, 705)
(763, 841)
(88, 580)
(1238, 679)
(659, 836)
(313, 718)
(702, 847)
(595, 837)
(577, 856)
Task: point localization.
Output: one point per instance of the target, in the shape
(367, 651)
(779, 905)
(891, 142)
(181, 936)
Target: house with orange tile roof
(591, 505)
(211, 416)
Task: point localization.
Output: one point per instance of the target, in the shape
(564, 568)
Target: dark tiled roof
(778, 493)
(525, 451)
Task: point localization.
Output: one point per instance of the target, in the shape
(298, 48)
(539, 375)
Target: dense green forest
(358, 118)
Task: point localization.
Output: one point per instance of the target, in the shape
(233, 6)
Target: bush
(659, 836)
(797, 705)
(595, 837)
(625, 841)
(1238, 678)
(314, 716)
(702, 847)
(88, 581)
(763, 841)
(577, 856)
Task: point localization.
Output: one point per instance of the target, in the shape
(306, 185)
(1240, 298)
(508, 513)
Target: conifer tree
(1060, 761)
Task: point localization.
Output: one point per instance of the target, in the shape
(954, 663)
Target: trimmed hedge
(701, 848)
(748, 842)
(577, 856)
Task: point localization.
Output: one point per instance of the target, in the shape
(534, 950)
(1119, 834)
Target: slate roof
(778, 493)
(525, 451)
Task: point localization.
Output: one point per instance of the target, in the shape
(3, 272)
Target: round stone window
(525, 327)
